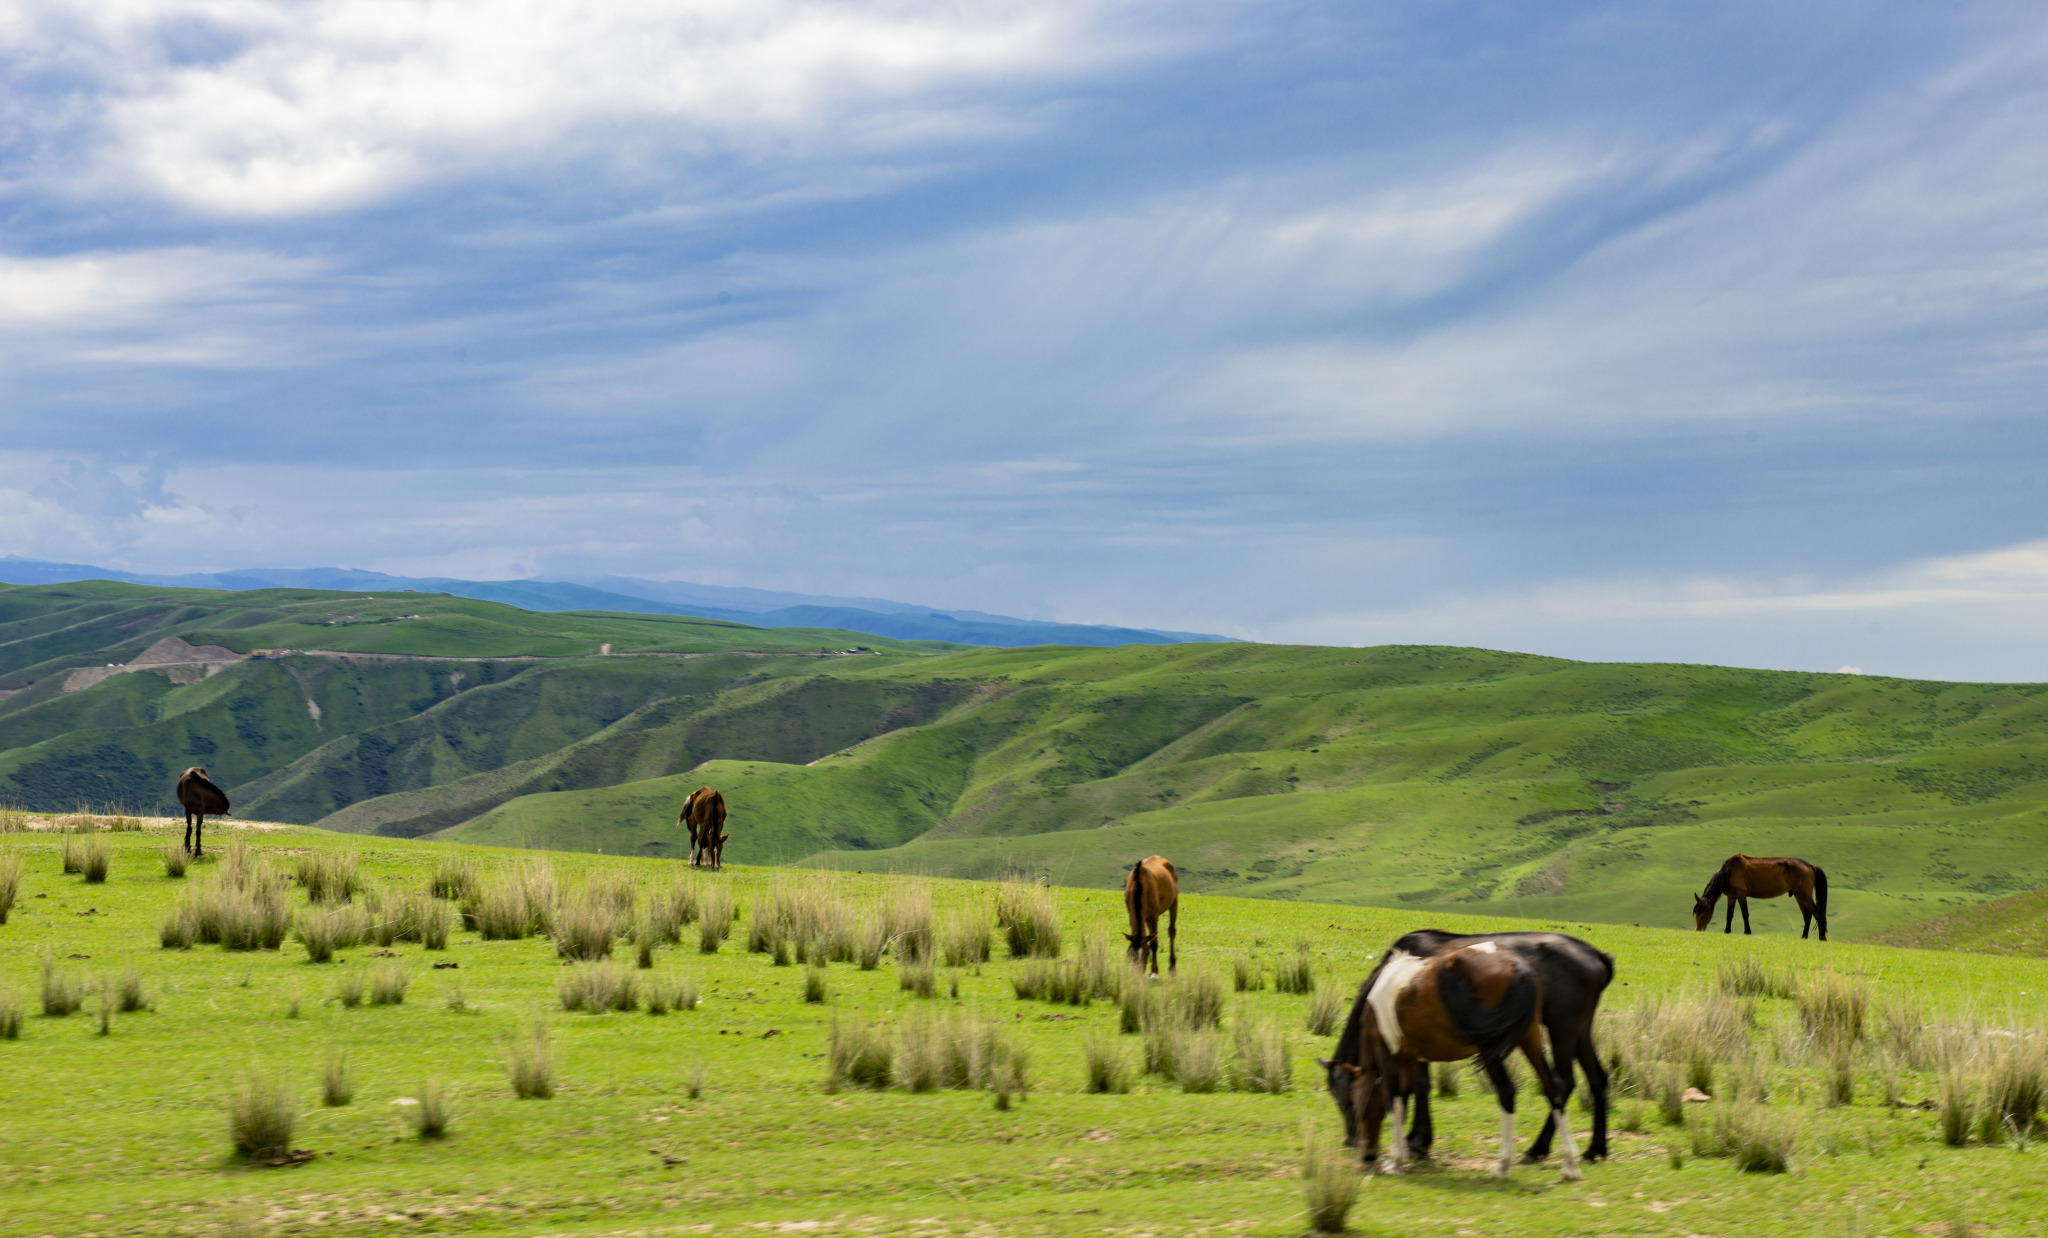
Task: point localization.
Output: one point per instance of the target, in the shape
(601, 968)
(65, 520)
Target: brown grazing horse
(1744, 877)
(200, 796)
(1466, 997)
(1153, 887)
(704, 816)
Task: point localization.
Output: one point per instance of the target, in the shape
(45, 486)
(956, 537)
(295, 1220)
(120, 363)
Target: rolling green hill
(1426, 778)
(2016, 924)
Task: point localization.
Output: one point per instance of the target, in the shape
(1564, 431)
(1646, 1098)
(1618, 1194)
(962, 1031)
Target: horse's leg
(1596, 1083)
(1546, 1087)
(1730, 926)
(1424, 1132)
(1397, 1141)
(1504, 1089)
(188, 831)
(1559, 1092)
(1173, 936)
(1745, 916)
(1806, 911)
(1369, 1120)
(199, 838)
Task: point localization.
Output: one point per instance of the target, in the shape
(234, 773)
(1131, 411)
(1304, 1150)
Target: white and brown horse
(1744, 877)
(199, 796)
(1441, 997)
(703, 815)
(1153, 889)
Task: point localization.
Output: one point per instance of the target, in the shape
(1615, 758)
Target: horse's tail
(1138, 892)
(1495, 1031)
(1820, 893)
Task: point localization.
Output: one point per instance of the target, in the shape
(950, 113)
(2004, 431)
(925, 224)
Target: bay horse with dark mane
(703, 815)
(1443, 997)
(1744, 877)
(1152, 888)
(199, 796)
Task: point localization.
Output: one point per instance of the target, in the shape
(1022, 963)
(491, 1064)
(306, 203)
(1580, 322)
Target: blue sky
(1616, 331)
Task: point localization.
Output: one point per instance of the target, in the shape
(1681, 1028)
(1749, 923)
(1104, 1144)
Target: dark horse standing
(1744, 877)
(1439, 996)
(703, 816)
(200, 796)
(1152, 888)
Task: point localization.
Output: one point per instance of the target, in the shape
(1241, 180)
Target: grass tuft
(430, 1116)
(1323, 1015)
(1261, 1062)
(10, 1015)
(10, 882)
(132, 996)
(1247, 976)
(62, 995)
(337, 1080)
(261, 1116)
(530, 1064)
(1105, 1067)
(1329, 1183)
(859, 1053)
(328, 876)
(715, 914)
(1298, 975)
(175, 860)
(598, 988)
(1030, 919)
(388, 985)
(1832, 1009)
(454, 878)
(94, 862)
(816, 991)
(348, 987)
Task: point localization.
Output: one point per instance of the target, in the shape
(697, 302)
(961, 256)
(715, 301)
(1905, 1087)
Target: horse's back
(199, 793)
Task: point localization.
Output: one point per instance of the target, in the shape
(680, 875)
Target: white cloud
(322, 104)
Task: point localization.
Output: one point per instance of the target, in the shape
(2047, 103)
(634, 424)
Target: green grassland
(1438, 780)
(2017, 924)
(124, 1134)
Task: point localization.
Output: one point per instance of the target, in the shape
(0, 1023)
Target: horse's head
(1139, 940)
(1342, 1078)
(1702, 912)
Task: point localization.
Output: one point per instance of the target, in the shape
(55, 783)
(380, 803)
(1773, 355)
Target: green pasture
(125, 1134)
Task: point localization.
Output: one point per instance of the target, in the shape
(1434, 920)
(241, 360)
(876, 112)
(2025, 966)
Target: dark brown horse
(1744, 877)
(1152, 888)
(199, 796)
(1474, 1008)
(703, 816)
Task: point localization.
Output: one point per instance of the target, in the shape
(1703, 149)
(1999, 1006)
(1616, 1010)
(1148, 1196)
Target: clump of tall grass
(919, 978)
(62, 995)
(676, 993)
(453, 879)
(348, 987)
(10, 1015)
(1094, 973)
(2016, 1086)
(431, 1115)
(1247, 976)
(1030, 920)
(261, 1116)
(1955, 1112)
(1105, 1066)
(510, 905)
(715, 914)
(328, 876)
(10, 881)
(1193, 1059)
(72, 854)
(1751, 977)
(816, 991)
(323, 930)
(1688, 1032)
(1323, 1015)
(337, 1080)
(530, 1064)
(1755, 1138)
(859, 1053)
(964, 937)
(870, 940)
(180, 927)
(958, 1052)
(1298, 975)
(589, 922)
(1832, 1008)
(94, 862)
(132, 995)
(911, 930)
(1840, 1083)
(1260, 1061)
(242, 907)
(672, 909)
(598, 987)
(175, 860)
(1329, 1182)
(106, 1005)
(389, 983)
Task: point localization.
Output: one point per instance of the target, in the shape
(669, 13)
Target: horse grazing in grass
(703, 815)
(199, 796)
(1442, 997)
(1152, 888)
(1744, 877)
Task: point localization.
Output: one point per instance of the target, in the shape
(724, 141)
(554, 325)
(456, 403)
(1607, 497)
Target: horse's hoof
(1500, 1173)
(1532, 1158)
(1572, 1174)
(1389, 1169)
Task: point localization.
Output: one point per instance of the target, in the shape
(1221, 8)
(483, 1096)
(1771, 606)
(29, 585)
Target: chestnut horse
(703, 815)
(199, 796)
(1744, 877)
(1445, 997)
(1152, 887)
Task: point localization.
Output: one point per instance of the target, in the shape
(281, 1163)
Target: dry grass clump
(870, 940)
(1247, 976)
(2016, 1086)
(1106, 1069)
(672, 909)
(323, 930)
(388, 985)
(175, 860)
(860, 1054)
(1191, 1058)
(348, 987)
(454, 878)
(676, 993)
(1832, 1007)
(1323, 1015)
(1757, 1139)
(329, 876)
(180, 927)
(1030, 919)
(1751, 977)
(10, 882)
(716, 910)
(1260, 1062)
(919, 978)
(10, 1015)
(927, 1053)
(337, 1081)
(132, 995)
(816, 991)
(95, 862)
(598, 987)
(430, 1116)
(73, 856)
(1688, 1033)
(261, 1116)
(1329, 1182)
(909, 917)
(242, 907)
(964, 937)
(530, 1064)
(61, 994)
(512, 905)
(591, 920)
(1297, 975)
(1094, 973)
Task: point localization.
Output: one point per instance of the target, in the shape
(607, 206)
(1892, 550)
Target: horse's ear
(1325, 1063)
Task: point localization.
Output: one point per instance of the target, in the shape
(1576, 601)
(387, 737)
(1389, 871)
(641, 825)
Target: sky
(1629, 331)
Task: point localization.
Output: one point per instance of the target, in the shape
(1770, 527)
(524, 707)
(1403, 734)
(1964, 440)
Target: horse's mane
(1719, 881)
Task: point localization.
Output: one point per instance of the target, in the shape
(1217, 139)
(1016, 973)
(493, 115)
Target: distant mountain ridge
(632, 595)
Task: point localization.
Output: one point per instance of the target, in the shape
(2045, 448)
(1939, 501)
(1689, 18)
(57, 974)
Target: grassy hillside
(1428, 778)
(2017, 924)
(717, 1120)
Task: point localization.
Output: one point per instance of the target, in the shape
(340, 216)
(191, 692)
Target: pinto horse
(1439, 996)
(199, 796)
(703, 815)
(1152, 887)
(1744, 877)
